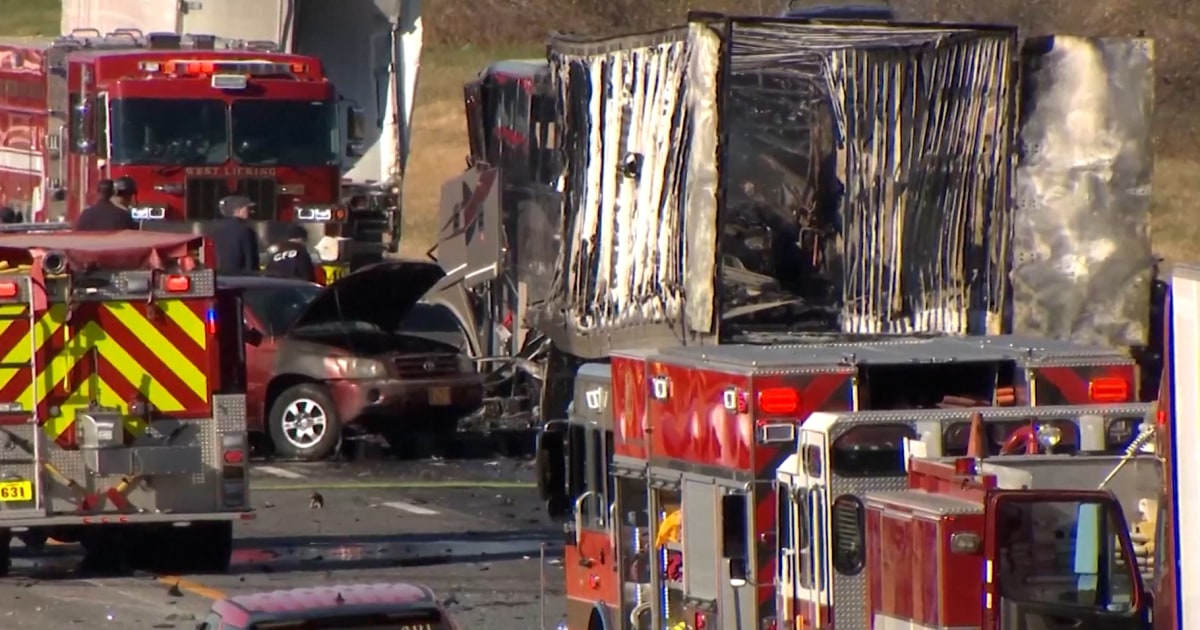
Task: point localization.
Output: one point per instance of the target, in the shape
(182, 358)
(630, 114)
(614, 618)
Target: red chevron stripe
(151, 362)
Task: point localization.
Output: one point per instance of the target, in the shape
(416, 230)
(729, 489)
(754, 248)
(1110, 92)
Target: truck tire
(213, 542)
(303, 423)
(5, 551)
(202, 547)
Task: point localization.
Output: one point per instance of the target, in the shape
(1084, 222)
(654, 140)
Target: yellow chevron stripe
(48, 325)
(192, 324)
(80, 398)
(133, 371)
(149, 334)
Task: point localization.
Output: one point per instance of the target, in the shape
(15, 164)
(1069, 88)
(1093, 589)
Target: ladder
(33, 467)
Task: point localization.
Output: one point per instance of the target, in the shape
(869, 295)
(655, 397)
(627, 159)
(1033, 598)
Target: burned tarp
(885, 148)
(1081, 243)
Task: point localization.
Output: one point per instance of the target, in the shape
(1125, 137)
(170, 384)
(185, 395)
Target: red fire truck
(670, 450)
(190, 118)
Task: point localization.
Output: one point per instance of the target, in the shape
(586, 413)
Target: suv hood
(381, 294)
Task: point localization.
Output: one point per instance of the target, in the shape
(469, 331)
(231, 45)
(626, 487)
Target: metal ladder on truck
(22, 446)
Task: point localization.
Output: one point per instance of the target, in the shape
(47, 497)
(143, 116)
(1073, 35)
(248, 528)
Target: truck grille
(203, 194)
(430, 366)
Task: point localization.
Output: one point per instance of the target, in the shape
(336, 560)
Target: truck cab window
(285, 133)
(182, 132)
(1065, 553)
(871, 451)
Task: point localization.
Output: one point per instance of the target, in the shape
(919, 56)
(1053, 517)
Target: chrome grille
(428, 366)
(203, 194)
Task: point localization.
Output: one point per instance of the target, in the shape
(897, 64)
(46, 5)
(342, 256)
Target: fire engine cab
(191, 119)
(729, 486)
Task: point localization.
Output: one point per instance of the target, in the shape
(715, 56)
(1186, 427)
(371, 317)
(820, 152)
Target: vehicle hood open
(381, 294)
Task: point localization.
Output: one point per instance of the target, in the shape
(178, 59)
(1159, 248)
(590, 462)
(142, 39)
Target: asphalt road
(471, 530)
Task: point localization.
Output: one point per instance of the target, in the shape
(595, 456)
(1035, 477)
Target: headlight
(354, 367)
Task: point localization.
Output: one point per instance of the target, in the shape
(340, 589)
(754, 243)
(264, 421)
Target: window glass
(184, 132)
(277, 308)
(875, 450)
(1066, 553)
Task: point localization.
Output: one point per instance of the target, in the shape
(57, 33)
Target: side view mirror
(84, 138)
(252, 335)
(356, 126)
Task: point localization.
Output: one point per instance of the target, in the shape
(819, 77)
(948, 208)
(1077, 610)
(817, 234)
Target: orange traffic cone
(976, 442)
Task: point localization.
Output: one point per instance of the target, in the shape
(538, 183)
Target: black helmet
(125, 186)
(105, 188)
(297, 232)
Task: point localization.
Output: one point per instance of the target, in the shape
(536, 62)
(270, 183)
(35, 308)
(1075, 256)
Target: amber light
(1108, 390)
(778, 400)
(178, 284)
(8, 289)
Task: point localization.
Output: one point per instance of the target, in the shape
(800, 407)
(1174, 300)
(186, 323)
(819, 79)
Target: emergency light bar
(148, 213)
(204, 68)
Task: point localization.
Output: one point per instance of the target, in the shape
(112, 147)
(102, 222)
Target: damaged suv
(323, 359)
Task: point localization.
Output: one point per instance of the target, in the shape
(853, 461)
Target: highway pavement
(472, 530)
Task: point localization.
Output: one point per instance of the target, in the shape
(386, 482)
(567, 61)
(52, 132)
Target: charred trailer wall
(891, 142)
(637, 122)
(1082, 267)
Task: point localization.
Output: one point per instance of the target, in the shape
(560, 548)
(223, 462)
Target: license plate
(16, 491)
(439, 396)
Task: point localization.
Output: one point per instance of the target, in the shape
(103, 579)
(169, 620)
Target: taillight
(8, 290)
(233, 471)
(778, 401)
(700, 621)
(177, 284)
(1108, 390)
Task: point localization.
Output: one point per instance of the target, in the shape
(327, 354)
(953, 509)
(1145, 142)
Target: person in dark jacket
(290, 258)
(234, 238)
(111, 212)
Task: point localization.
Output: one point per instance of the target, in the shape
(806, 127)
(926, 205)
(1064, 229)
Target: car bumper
(406, 401)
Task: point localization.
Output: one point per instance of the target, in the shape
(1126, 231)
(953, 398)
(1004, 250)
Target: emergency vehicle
(668, 451)
(190, 118)
(122, 398)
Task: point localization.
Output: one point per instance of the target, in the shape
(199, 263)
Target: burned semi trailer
(752, 180)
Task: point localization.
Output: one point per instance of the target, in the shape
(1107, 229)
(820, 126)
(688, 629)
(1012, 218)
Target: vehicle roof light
(1108, 389)
(177, 284)
(778, 400)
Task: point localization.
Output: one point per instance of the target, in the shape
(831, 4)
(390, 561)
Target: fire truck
(122, 399)
(772, 450)
(190, 118)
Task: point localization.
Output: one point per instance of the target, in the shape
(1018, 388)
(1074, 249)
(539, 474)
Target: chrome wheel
(304, 422)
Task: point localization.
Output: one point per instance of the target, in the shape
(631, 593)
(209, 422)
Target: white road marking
(279, 472)
(410, 508)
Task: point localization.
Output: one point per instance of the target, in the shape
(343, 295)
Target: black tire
(202, 547)
(34, 539)
(315, 399)
(5, 551)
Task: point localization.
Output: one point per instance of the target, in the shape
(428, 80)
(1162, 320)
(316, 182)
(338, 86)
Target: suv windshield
(277, 308)
(285, 133)
(168, 131)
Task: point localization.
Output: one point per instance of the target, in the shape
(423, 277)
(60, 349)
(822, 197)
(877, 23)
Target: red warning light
(778, 401)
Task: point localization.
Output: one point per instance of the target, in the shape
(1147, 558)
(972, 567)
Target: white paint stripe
(279, 472)
(887, 622)
(19, 161)
(409, 507)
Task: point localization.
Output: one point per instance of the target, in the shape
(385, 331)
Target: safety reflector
(778, 401)
(1108, 390)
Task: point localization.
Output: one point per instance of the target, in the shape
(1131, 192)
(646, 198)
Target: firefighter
(111, 212)
(290, 258)
(234, 238)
